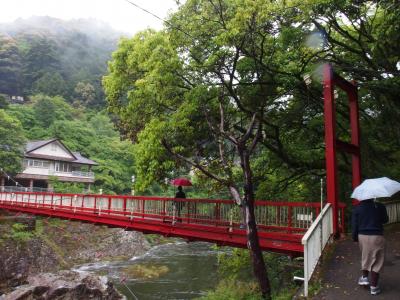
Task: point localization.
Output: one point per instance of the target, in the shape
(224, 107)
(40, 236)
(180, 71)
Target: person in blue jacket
(367, 229)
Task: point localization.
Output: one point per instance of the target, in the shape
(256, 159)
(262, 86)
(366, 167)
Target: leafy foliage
(55, 58)
(11, 143)
(90, 133)
(19, 233)
(234, 266)
(230, 290)
(220, 90)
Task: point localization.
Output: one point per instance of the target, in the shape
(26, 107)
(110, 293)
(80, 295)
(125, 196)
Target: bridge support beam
(332, 144)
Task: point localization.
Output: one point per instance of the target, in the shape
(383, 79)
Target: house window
(37, 163)
(63, 167)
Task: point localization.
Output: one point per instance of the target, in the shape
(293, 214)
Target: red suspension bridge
(281, 225)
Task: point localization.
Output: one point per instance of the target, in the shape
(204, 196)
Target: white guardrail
(314, 241)
(321, 230)
(393, 210)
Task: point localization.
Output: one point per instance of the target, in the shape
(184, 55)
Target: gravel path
(342, 272)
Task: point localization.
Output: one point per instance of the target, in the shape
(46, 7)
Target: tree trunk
(259, 267)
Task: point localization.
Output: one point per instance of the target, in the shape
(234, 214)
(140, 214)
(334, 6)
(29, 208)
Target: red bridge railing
(291, 217)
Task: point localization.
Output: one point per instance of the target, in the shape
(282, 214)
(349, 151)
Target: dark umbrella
(181, 182)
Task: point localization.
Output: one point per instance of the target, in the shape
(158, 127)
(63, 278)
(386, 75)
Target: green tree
(49, 109)
(85, 92)
(360, 38)
(12, 143)
(10, 66)
(200, 101)
(51, 84)
(41, 56)
(103, 126)
(3, 102)
(89, 133)
(26, 116)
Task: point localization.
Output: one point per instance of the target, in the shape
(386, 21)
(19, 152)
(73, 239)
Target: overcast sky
(118, 13)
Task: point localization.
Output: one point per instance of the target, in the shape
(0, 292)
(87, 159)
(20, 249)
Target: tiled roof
(78, 158)
(31, 145)
(83, 160)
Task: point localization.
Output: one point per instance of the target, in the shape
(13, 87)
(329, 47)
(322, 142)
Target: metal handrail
(314, 241)
(292, 217)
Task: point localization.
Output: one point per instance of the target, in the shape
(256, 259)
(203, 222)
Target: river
(187, 271)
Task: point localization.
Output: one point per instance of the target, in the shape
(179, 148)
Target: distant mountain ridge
(56, 57)
(44, 24)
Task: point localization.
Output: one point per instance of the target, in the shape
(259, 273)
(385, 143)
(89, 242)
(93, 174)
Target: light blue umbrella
(376, 188)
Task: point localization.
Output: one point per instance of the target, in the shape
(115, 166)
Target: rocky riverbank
(65, 285)
(51, 245)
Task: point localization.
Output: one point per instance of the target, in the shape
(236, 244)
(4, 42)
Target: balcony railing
(72, 174)
(52, 172)
(83, 174)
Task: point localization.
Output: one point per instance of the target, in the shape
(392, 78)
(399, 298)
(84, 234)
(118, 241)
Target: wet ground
(342, 272)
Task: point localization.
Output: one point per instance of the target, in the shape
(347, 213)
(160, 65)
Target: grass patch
(232, 290)
(18, 233)
(59, 252)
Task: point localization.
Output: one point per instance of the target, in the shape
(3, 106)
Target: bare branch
(250, 128)
(256, 138)
(194, 164)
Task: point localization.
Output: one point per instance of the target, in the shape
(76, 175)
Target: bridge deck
(281, 225)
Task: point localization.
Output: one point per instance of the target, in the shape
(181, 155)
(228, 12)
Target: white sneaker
(375, 290)
(363, 281)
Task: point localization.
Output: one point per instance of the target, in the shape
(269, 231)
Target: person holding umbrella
(368, 218)
(180, 194)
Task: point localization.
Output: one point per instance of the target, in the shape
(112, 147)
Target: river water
(188, 271)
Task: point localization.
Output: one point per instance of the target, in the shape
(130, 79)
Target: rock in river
(66, 285)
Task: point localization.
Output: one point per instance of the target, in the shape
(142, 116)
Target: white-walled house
(44, 159)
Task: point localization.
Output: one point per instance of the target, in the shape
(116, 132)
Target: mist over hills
(53, 56)
(93, 28)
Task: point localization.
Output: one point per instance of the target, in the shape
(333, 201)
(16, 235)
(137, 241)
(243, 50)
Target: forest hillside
(56, 57)
(57, 66)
